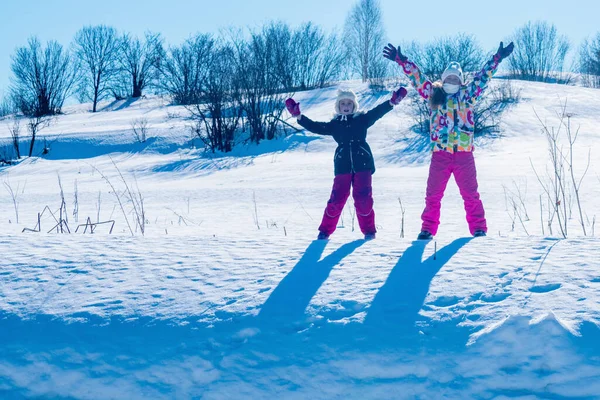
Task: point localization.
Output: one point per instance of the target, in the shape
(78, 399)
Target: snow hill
(227, 296)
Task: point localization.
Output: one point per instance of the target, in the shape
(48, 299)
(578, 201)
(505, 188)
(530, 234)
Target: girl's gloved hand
(504, 52)
(293, 107)
(395, 54)
(398, 95)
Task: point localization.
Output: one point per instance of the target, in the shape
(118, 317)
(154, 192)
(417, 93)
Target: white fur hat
(345, 95)
(455, 69)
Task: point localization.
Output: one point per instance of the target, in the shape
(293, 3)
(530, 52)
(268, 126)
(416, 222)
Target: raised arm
(483, 77)
(321, 128)
(378, 112)
(412, 71)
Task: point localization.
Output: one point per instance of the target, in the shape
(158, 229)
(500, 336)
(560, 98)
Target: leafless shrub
(14, 195)
(76, 203)
(139, 127)
(317, 57)
(183, 69)
(218, 118)
(129, 195)
(15, 130)
(589, 62)
(42, 78)
(539, 53)
(260, 98)
(433, 57)
(560, 182)
(7, 106)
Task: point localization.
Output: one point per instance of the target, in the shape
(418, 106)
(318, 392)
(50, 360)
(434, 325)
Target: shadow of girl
(289, 300)
(399, 300)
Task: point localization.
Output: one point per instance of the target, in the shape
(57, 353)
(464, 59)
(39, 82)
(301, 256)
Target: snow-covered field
(208, 305)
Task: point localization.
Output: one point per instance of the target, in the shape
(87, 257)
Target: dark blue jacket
(353, 154)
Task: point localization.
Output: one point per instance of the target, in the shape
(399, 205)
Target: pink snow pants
(362, 192)
(462, 165)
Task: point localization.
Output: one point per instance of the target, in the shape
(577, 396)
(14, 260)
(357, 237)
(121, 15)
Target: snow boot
(425, 235)
(369, 236)
(323, 236)
(479, 233)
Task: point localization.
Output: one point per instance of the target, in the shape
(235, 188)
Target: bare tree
(539, 52)
(279, 38)
(218, 118)
(184, 69)
(139, 59)
(301, 58)
(589, 62)
(260, 96)
(433, 57)
(364, 38)
(42, 78)
(97, 48)
(318, 57)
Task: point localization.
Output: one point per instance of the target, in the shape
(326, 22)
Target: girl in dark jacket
(353, 160)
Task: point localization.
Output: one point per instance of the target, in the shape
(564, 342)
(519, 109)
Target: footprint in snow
(495, 298)
(545, 288)
(446, 301)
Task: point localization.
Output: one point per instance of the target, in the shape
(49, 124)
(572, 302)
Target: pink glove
(293, 107)
(398, 96)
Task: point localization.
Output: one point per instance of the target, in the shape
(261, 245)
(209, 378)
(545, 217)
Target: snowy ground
(208, 305)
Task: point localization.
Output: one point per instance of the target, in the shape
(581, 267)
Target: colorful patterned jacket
(452, 124)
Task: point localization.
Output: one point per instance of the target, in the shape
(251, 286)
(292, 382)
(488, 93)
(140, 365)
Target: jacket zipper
(351, 158)
(455, 142)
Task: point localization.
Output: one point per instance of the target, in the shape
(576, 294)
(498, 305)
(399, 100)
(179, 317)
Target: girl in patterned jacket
(451, 102)
(353, 160)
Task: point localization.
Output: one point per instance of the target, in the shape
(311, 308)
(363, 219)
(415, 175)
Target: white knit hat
(345, 95)
(455, 69)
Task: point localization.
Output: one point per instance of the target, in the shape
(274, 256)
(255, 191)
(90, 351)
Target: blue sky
(177, 19)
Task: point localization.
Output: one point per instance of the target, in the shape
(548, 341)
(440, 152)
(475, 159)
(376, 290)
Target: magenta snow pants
(362, 192)
(462, 165)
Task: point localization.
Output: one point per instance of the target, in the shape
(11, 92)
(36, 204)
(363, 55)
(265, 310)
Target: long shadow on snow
(72, 148)
(240, 156)
(400, 299)
(292, 296)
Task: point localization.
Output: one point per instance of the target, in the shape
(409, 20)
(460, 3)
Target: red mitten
(398, 95)
(293, 107)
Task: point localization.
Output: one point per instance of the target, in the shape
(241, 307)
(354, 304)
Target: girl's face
(346, 107)
(452, 79)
